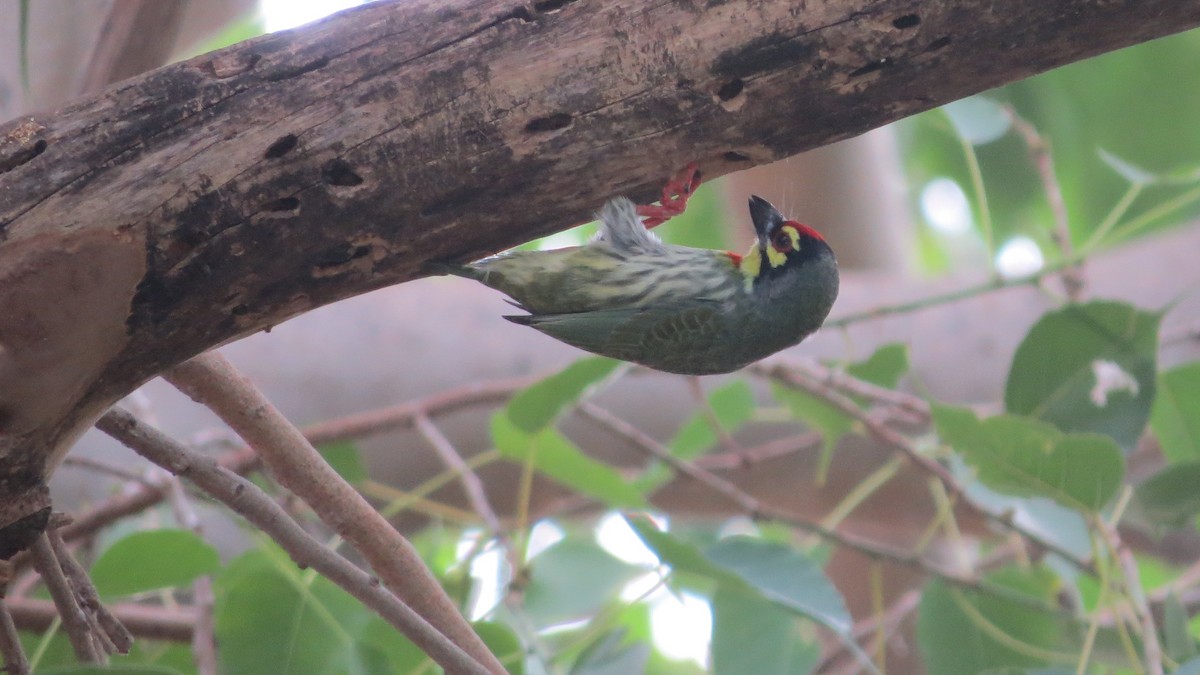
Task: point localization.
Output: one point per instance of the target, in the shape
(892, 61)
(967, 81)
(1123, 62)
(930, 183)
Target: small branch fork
(256, 506)
(93, 631)
(212, 381)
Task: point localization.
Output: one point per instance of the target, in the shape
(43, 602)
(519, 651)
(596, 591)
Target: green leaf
(752, 635)
(883, 368)
(1025, 457)
(112, 669)
(785, 576)
(1175, 418)
(679, 555)
(1130, 172)
(1088, 367)
(821, 416)
(540, 404)
(732, 405)
(978, 119)
(1179, 642)
(572, 580)
(778, 573)
(153, 559)
(1170, 497)
(272, 617)
(557, 457)
(345, 458)
(612, 654)
(504, 643)
(958, 630)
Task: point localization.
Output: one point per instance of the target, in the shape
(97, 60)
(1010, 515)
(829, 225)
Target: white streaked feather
(621, 227)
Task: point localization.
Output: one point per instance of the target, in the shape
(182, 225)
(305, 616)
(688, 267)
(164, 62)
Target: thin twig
(915, 406)
(710, 416)
(1133, 587)
(15, 661)
(105, 624)
(74, 622)
(174, 624)
(895, 439)
(212, 381)
(884, 624)
(248, 500)
(780, 447)
(947, 298)
(758, 510)
(472, 485)
(1043, 159)
(243, 459)
(204, 641)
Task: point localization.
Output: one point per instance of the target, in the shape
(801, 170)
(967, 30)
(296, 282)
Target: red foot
(675, 195)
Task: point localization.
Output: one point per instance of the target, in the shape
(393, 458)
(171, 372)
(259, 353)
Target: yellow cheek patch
(777, 257)
(752, 264)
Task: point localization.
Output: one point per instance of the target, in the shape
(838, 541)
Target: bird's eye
(781, 241)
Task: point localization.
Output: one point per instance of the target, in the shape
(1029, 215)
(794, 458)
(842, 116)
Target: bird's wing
(628, 332)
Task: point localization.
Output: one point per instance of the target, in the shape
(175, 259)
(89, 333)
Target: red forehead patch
(804, 229)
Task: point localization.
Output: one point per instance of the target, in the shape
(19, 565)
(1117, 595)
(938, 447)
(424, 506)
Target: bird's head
(783, 246)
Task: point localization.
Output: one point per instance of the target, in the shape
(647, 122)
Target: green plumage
(681, 310)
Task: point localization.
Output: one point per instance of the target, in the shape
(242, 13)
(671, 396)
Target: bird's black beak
(766, 218)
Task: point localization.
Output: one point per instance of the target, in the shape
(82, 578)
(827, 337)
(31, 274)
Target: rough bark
(217, 197)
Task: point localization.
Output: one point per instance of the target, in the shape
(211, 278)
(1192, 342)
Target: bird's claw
(675, 196)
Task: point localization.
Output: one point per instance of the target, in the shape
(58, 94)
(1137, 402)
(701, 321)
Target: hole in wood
(288, 72)
(22, 156)
(240, 310)
(549, 123)
(735, 156)
(731, 89)
(338, 172)
(281, 147)
(548, 6)
(283, 205)
(907, 21)
(340, 255)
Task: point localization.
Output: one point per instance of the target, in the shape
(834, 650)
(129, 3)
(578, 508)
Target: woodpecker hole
(340, 255)
(549, 123)
(549, 6)
(281, 147)
(283, 205)
(938, 44)
(240, 310)
(338, 172)
(22, 156)
(228, 65)
(288, 72)
(873, 66)
(735, 156)
(731, 89)
(684, 83)
(906, 21)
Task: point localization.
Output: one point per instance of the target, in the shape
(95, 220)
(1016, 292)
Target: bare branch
(212, 381)
(104, 624)
(74, 622)
(145, 621)
(254, 505)
(15, 661)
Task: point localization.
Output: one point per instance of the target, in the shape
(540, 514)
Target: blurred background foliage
(1121, 129)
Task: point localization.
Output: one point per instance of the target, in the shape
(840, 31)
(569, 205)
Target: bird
(628, 295)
